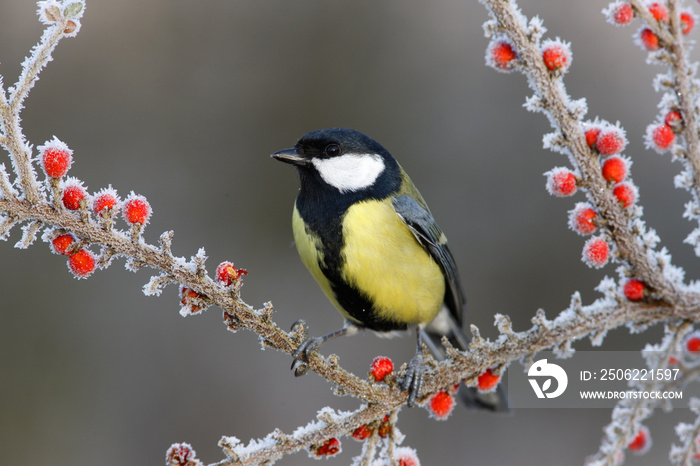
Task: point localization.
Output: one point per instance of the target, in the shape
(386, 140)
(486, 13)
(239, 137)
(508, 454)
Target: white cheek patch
(350, 172)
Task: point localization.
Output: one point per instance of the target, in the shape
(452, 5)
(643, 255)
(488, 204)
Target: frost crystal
(692, 239)
(155, 285)
(555, 142)
(607, 287)
(536, 28)
(6, 189)
(29, 232)
(683, 180)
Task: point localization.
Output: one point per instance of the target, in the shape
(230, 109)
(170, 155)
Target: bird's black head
(342, 160)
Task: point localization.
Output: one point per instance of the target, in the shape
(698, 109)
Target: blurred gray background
(183, 101)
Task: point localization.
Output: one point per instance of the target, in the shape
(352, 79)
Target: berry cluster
(103, 207)
(660, 135)
(405, 456)
(56, 159)
(502, 56)
(606, 141)
(621, 13)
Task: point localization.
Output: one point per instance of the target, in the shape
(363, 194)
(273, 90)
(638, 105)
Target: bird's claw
(412, 380)
(300, 365)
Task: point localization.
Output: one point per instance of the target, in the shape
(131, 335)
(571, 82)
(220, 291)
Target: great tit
(368, 238)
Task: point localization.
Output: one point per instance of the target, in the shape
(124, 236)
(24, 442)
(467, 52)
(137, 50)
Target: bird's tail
(446, 325)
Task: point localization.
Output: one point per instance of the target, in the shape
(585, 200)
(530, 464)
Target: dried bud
(329, 448)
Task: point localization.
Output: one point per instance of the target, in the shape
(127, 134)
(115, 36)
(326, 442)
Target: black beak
(290, 156)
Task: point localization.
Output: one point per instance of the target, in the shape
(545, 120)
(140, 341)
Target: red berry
(407, 456)
(662, 137)
(329, 448)
(622, 14)
(614, 169)
(82, 263)
(226, 273)
(501, 55)
(556, 56)
(488, 381)
(634, 289)
(611, 141)
(596, 252)
(61, 243)
(626, 193)
(105, 202)
(441, 405)
(561, 182)
(380, 368)
(362, 433)
(687, 22)
(641, 442)
(136, 210)
(72, 195)
(659, 11)
(592, 134)
(56, 158)
(384, 428)
(581, 219)
(650, 41)
(187, 297)
(691, 343)
(674, 120)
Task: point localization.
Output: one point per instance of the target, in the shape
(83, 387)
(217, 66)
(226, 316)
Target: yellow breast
(311, 253)
(385, 261)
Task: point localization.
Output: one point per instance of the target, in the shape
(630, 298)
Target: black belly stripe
(323, 214)
(358, 306)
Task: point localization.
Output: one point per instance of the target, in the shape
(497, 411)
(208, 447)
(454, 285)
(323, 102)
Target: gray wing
(428, 233)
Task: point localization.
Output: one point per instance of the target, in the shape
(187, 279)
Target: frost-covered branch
(618, 219)
(682, 455)
(594, 149)
(89, 231)
(628, 415)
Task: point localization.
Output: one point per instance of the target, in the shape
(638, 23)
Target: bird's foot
(412, 380)
(300, 365)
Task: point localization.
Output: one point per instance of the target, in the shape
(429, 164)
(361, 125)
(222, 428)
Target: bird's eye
(332, 150)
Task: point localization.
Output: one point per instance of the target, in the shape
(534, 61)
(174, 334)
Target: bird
(367, 236)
